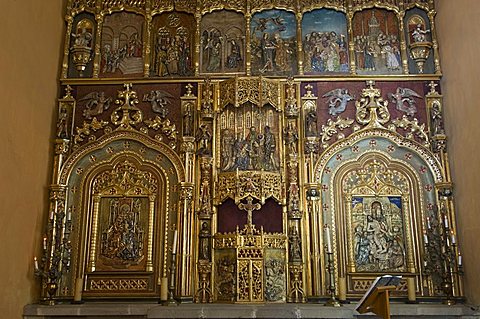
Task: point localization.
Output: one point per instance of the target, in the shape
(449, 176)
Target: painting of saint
(122, 45)
(325, 42)
(378, 236)
(222, 42)
(173, 45)
(123, 231)
(273, 43)
(376, 42)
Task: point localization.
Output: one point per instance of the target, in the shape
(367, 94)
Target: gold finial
(68, 92)
(189, 88)
(127, 86)
(433, 87)
(371, 84)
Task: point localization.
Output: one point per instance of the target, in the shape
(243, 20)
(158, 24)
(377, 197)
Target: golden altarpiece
(249, 152)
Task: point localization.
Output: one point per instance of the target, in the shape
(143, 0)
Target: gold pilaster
(436, 54)
(403, 42)
(93, 234)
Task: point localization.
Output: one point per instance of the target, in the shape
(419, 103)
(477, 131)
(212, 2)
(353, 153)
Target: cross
(371, 83)
(249, 207)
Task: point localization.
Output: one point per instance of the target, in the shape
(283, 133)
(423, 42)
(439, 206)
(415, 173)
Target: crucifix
(249, 206)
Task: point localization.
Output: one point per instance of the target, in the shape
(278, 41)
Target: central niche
(250, 245)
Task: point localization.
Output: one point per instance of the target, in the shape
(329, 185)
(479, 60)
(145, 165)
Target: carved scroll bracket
(372, 110)
(127, 114)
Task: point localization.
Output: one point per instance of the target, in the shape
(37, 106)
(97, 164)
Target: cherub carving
(96, 103)
(159, 101)
(403, 100)
(338, 100)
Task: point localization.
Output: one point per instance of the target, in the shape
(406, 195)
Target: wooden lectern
(376, 299)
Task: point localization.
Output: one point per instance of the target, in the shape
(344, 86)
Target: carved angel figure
(159, 101)
(96, 103)
(403, 100)
(338, 100)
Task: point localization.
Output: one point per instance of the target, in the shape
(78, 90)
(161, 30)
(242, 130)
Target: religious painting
(325, 42)
(82, 42)
(275, 275)
(122, 45)
(376, 42)
(249, 139)
(379, 238)
(173, 45)
(419, 42)
(222, 42)
(274, 43)
(123, 233)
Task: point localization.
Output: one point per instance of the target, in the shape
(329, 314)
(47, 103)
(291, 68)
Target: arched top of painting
(360, 5)
(382, 140)
(262, 5)
(240, 7)
(422, 4)
(375, 172)
(325, 5)
(123, 141)
(135, 6)
(125, 174)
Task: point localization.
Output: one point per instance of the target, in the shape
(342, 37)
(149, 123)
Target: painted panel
(325, 42)
(273, 43)
(377, 45)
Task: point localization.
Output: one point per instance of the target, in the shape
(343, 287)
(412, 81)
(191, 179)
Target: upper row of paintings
(170, 46)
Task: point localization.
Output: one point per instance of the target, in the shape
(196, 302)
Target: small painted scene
(273, 43)
(325, 42)
(376, 42)
(222, 42)
(122, 45)
(379, 243)
(173, 45)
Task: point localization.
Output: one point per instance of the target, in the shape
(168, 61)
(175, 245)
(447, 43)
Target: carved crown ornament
(127, 116)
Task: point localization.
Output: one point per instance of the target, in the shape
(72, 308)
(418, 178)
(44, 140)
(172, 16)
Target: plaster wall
(458, 32)
(29, 63)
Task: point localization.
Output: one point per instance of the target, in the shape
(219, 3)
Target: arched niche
(377, 190)
(122, 200)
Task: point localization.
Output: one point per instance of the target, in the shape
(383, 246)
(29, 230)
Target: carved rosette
(372, 110)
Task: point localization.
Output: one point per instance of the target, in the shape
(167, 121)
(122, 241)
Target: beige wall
(459, 35)
(29, 63)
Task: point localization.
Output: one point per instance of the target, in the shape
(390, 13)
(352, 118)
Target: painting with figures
(222, 42)
(122, 45)
(376, 42)
(378, 235)
(273, 43)
(123, 233)
(249, 139)
(173, 44)
(325, 42)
